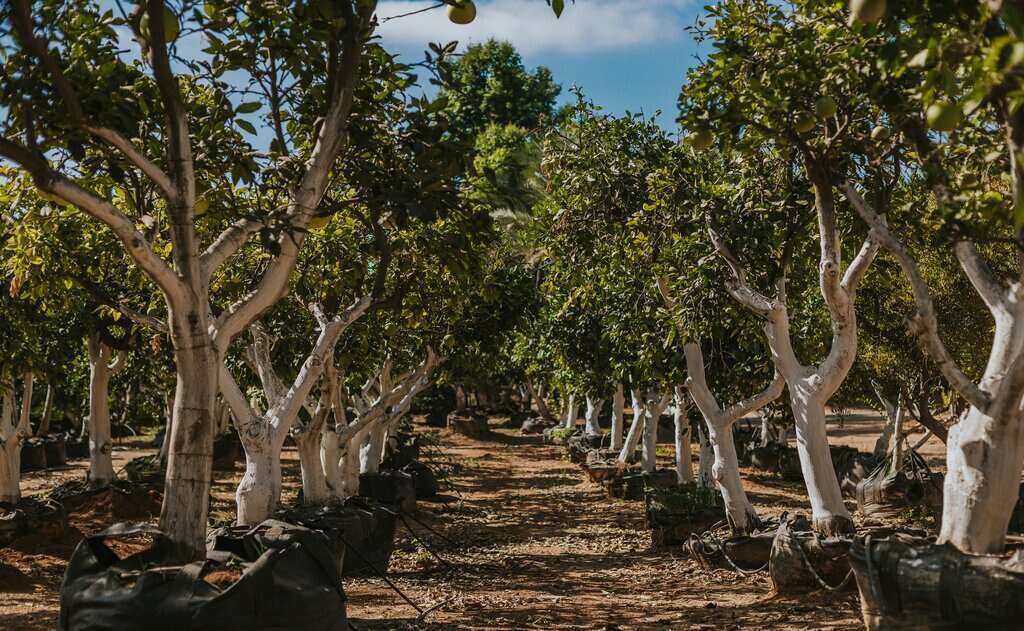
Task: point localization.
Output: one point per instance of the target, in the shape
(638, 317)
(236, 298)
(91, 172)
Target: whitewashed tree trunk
(892, 409)
(44, 422)
(635, 428)
(594, 407)
(572, 412)
(14, 429)
(618, 416)
(314, 478)
(263, 435)
(726, 469)
(684, 457)
(259, 491)
(653, 407)
(101, 444)
(984, 450)
(372, 449)
(706, 457)
(810, 387)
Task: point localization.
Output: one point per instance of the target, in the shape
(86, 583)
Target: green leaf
(246, 126)
(558, 6)
(248, 108)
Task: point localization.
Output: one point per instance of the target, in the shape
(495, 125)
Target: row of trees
(145, 213)
(827, 194)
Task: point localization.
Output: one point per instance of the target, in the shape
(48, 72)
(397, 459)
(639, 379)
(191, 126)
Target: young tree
(802, 115)
(67, 102)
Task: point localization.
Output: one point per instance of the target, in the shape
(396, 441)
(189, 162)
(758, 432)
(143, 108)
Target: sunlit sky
(626, 54)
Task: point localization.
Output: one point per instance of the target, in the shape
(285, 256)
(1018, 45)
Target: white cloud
(588, 26)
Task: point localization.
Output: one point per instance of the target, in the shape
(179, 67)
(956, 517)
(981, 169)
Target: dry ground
(528, 542)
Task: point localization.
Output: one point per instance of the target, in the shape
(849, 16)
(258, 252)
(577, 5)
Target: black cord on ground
(381, 575)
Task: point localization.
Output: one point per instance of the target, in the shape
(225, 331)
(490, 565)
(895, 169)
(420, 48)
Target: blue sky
(626, 54)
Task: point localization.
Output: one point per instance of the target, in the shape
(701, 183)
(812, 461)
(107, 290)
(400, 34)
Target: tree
(490, 86)
(65, 104)
(767, 106)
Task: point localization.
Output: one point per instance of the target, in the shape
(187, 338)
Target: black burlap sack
(288, 580)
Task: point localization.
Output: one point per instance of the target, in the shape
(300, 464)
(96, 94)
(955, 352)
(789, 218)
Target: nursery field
(526, 542)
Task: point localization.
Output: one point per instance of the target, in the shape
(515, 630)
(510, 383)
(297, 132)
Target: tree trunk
(652, 414)
(460, 399)
(684, 458)
(350, 463)
(372, 449)
(983, 464)
(725, 471)
(260, 488)
(707, 459)
(635, 429)
(618, 416)
(594, 407)
(44, 423)
(540, 396)
(101, 464)
(827, 508)
(314, 479)
(190, 453)
(331, 454)
(571, 413)
(11, 437)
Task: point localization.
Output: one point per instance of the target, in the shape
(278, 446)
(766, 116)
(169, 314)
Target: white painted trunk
(983, 465)
(684, 457)
(330, 461)
(571, 413)
(707, 459)
(372, 450)
(725, 471)
(183, 515)
(827, 508)
(10, 451)
(766, 431)
(618, 416)
(314, 479)
(635, 429)
(648, 457)
(44, 423)
(260, 489)
(101, 464)
(594, 407)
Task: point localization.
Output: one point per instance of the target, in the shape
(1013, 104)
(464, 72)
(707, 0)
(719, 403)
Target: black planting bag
(290, 581)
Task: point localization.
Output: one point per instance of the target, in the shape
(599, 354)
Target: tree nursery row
(247, 236)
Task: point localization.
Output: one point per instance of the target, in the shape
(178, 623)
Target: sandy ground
(527, 543)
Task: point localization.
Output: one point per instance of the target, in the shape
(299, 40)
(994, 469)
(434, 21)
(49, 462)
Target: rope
(432, 608)
(807, 562)
(721, 548)
(424, 543)
(380, 574)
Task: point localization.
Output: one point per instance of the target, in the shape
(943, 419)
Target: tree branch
(982, 279)
(925, 324)
(859, 266)
(738, 287)
(228, 242)
(25, 27)
(48, 180)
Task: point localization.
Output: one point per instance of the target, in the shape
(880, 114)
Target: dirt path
(536, 546)
(531, 545)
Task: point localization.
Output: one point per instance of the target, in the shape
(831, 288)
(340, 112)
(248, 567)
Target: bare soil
(526, 541)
